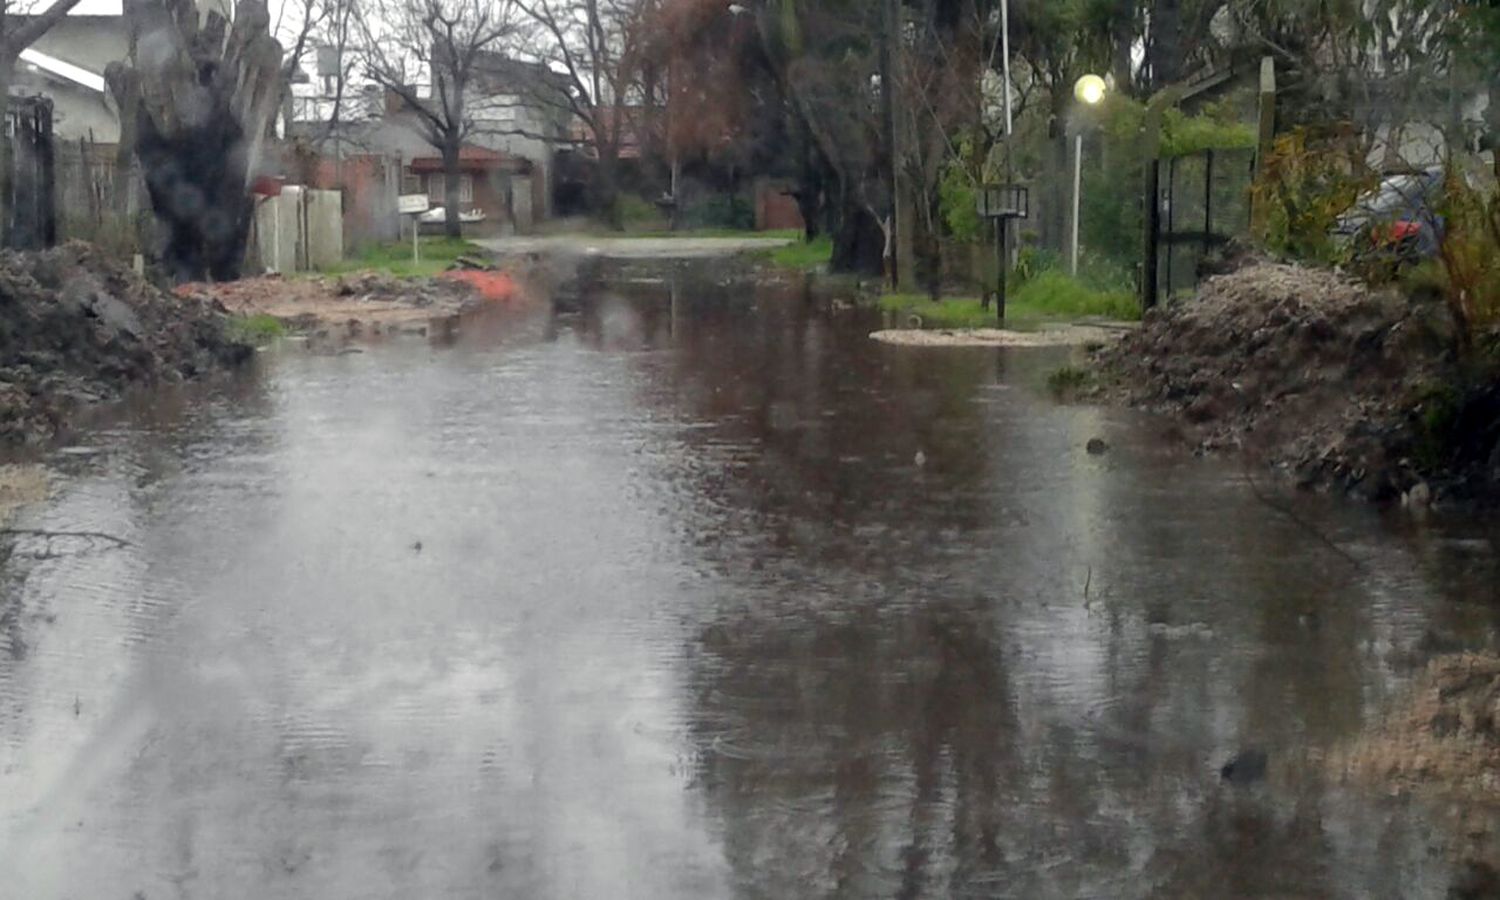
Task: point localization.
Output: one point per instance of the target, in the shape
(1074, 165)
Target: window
(437, 188)
(410, 184)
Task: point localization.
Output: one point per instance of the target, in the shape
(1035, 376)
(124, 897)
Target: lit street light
(1089, 91)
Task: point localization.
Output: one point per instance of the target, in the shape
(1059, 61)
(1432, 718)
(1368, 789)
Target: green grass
(257, 329)
(395, 257)
(1047, 296)
(1069, 379)
(803, 255)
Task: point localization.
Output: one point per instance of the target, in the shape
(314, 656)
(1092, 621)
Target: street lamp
(1089, 91)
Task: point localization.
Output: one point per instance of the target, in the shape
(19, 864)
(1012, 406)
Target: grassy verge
(1045, 297)
(802, 256)
(257, 329)
(395, 257)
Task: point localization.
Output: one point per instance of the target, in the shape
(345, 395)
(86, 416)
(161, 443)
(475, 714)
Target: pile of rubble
(77, 329)
(1302, 368)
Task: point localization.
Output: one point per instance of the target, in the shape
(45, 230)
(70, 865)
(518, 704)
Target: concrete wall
(299, 230)
(520, 200)
(323, 230)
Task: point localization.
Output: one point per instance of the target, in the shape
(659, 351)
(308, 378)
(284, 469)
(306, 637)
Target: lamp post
(1089, 91)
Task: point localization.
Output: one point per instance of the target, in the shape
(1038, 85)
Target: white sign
(411, 204)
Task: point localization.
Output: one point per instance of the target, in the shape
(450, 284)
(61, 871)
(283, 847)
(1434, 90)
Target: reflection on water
(689, 590)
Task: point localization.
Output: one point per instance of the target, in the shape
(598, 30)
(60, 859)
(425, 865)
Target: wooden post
(1266, 138)
(1152, 234)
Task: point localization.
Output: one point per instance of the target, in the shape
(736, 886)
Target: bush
(728, 211)
(637, 212)
(1470, 252)
(1305, 186)
(959, 204)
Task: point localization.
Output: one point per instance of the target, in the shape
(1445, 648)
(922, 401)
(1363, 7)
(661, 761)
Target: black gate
(31, 208)
(1202, 201)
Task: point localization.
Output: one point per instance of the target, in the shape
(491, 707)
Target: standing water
(689, 590)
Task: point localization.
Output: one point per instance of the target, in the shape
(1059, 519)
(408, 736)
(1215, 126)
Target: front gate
(1202, 201)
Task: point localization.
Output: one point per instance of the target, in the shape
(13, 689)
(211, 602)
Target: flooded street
(694, 591)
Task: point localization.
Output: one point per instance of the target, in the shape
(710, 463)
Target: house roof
(63, 69)
(472, 159)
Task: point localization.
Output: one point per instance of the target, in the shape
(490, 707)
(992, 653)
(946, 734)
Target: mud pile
(1301, 368)
(78, 329)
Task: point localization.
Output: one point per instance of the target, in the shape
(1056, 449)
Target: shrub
(960, 204)
(729, 211)
(1306, 184)
(1470, 253)
(636, 212)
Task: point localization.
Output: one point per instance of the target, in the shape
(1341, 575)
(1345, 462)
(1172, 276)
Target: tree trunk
(809, 191)
(1122, 36)
(1166, 50)
(607, 189)
(452, 225)
(858, 241)
(203, 101)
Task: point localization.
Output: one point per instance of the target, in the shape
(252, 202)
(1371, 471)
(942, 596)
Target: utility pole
(888, 34)
(1010, 170)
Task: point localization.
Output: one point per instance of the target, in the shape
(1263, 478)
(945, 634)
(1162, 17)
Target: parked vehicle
(437, 215)
(1396, 223)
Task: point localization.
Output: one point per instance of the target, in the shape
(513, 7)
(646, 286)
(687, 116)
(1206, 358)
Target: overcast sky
(97, 8)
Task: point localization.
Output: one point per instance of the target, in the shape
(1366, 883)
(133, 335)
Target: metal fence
(1203, 201)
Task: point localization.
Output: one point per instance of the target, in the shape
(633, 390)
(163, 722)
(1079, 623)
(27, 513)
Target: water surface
(692, 591)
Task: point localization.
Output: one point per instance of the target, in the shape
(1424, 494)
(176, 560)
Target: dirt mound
(76, 328)
(376, 299)
(1303, 368)
(1444, 738)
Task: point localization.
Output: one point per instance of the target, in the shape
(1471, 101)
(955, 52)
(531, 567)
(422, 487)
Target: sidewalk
(630, 247)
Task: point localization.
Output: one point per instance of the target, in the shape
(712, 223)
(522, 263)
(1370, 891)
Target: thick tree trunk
(452, 225)
(202, 101)
(858, 241)
(607, 189)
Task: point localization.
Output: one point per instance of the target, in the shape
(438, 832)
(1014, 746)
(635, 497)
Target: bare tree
(597, 46)
(317, 27)
(439, 42)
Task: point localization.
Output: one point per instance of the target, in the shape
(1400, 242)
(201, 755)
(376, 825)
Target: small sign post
(1001, 203)
(413, 205)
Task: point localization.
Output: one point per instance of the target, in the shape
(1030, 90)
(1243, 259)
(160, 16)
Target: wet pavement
(693, 591)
